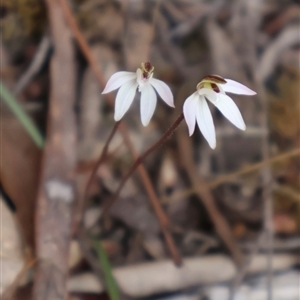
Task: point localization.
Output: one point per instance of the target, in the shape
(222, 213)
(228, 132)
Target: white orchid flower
(213, 88)
(144, 81)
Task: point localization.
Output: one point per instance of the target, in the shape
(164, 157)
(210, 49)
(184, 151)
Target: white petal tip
(191, 130)
(164, 91)
(171, 103)
(117, 117)
(235, 87)
(104, 91)
(241, 126)
(212, 145)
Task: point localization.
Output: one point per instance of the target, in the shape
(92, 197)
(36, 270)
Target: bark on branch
(57, 188)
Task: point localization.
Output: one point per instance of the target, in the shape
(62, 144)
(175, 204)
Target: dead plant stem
(204, 193)
(101, 159)
(236, 174)
(140, 160)
(267, 190)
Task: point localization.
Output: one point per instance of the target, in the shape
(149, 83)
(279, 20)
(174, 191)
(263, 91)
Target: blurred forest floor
(230, 215)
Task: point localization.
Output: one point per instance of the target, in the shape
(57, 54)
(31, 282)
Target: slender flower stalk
(101, 158)
(78, 219)
(140, 160)
(143, 80)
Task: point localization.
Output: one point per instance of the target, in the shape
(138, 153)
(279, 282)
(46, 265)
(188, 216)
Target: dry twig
(204, 193)
(35, 65)
(221, 179)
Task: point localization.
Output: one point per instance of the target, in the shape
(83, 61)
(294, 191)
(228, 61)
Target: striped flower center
(147, 69)
(211, 82)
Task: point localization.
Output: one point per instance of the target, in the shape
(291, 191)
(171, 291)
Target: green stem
(107, 270)
(22, 116)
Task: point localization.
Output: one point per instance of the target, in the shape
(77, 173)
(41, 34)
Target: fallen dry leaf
(11, 255)
(19, 170)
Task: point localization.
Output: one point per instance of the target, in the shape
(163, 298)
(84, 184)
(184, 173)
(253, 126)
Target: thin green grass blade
(107, 270)
(22, 116)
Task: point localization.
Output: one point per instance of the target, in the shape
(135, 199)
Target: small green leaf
(22, 116)
(107, 270)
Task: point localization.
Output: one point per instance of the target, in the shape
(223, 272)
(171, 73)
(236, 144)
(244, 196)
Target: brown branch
(204, 193)
(57, 193)
(253, 167)
(102, 157)
(163, 219)
(141, 159)
(157, 208)
(267, 180)
(233, 175)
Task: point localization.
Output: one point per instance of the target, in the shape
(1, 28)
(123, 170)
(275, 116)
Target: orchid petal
(205, 122)
(124, 98)
(236, 88)
(229, 109)
(139, 74)
(118, 79)
(148, 103)
(208, 93)
(163, 90)
(189, 111)
(220, 86)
